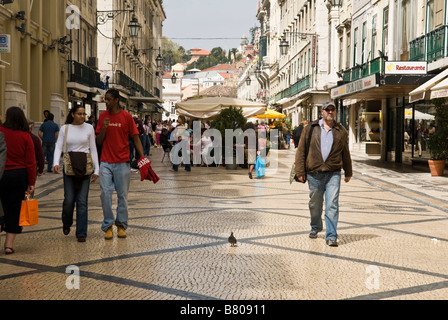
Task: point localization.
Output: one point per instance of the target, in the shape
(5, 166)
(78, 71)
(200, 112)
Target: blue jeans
(146, 144)
(115, 176)
(79, 197)
(324, 184)
(48, 148)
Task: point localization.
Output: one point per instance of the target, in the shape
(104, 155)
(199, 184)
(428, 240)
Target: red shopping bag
(29, 212)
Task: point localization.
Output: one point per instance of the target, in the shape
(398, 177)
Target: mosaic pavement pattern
(393, 240)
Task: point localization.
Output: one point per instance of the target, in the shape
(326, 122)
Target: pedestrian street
(393, 240)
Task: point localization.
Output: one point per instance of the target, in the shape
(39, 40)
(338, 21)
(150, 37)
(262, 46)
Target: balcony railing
(296, 88)
(434, 42)
(123, 80)
(82, 74)
(364, 70)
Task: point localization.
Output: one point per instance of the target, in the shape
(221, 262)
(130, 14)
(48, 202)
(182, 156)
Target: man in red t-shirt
(115, 126)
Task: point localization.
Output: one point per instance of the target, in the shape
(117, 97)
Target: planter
(437, 167)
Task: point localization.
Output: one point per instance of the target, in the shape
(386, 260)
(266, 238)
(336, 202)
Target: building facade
(84, 82)
(129, 62)
(367, 56)
(33, 72)
(387, 50)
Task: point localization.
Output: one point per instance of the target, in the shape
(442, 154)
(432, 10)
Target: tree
(173, 53)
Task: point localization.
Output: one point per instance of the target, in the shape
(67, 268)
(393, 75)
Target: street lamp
(173, 79)
(159, 59)
(134, 27)
(103, 16)
(284, 45)
(336, 3)
(248, 81)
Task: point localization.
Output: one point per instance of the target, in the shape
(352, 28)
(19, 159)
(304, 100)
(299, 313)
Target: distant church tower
(244, 43)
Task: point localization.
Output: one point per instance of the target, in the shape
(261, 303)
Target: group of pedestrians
(321, 153)
(78, 141)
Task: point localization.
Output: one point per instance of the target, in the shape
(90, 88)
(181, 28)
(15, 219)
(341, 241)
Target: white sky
(187, 19)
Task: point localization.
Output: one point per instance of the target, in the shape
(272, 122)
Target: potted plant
(438, 141)
(229, 118)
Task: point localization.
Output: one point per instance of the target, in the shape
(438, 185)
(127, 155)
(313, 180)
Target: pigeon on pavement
(232, 240)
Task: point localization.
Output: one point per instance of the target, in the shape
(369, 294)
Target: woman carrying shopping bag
(78, 140)
(19, 176)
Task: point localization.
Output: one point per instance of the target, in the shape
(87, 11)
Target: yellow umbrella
(271, 114)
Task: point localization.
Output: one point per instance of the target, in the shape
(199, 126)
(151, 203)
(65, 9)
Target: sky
(201, 19)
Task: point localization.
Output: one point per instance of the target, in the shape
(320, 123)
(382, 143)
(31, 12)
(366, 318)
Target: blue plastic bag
(260, 165)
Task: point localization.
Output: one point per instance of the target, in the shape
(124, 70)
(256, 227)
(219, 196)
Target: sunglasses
(330, 110)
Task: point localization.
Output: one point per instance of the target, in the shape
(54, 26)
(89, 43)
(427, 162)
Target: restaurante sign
(405, 67)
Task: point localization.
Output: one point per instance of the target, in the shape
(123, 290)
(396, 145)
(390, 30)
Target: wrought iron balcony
(123, 80)
(296, 88)
(82, 74)
(364, 70)
(434, 42)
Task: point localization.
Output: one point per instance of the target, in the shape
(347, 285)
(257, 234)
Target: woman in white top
(80, 138)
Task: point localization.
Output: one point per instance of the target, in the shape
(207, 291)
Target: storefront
(373, 109)
(86, 99)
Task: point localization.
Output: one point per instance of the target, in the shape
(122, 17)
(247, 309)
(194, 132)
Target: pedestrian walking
(38, 151)
(78, 136)
(320, 163)
(297, 132)
(19, 176)
(146, 141)
(3, 151)
(250, 146)
(114, 127)
(159, 128)
(49, 132)
(182, 136)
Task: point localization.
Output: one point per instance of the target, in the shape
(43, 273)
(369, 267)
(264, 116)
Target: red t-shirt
(20, 153)
(115, 148)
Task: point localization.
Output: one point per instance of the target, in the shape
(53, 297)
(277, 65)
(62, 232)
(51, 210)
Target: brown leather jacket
(339, 157)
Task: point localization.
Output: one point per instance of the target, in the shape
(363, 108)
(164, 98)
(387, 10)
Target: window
(385, 30)
(436, 14)
(341, 46)
(373, 47)
(348, 52)
(363, 42)
(355, 46)
(405, 26)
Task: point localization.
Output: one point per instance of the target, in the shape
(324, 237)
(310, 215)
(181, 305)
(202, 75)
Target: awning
(420, 92)
(418, 115)
(154, 100)
(207, 108)
(440, 90)
(271, 114)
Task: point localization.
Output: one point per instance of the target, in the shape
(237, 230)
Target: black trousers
(13, 185)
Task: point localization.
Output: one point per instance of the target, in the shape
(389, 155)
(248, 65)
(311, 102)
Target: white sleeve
(59, 146)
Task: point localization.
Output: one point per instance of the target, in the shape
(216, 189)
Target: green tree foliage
(217, 56)
(173, 53)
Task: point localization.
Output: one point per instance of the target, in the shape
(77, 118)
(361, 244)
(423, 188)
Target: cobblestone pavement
(393, 240)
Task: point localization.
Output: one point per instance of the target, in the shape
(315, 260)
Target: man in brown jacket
(320, 160)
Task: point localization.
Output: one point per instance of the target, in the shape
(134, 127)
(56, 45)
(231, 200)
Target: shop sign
(355, 86)
(5, 43)
(439, 93)
(405, 67)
